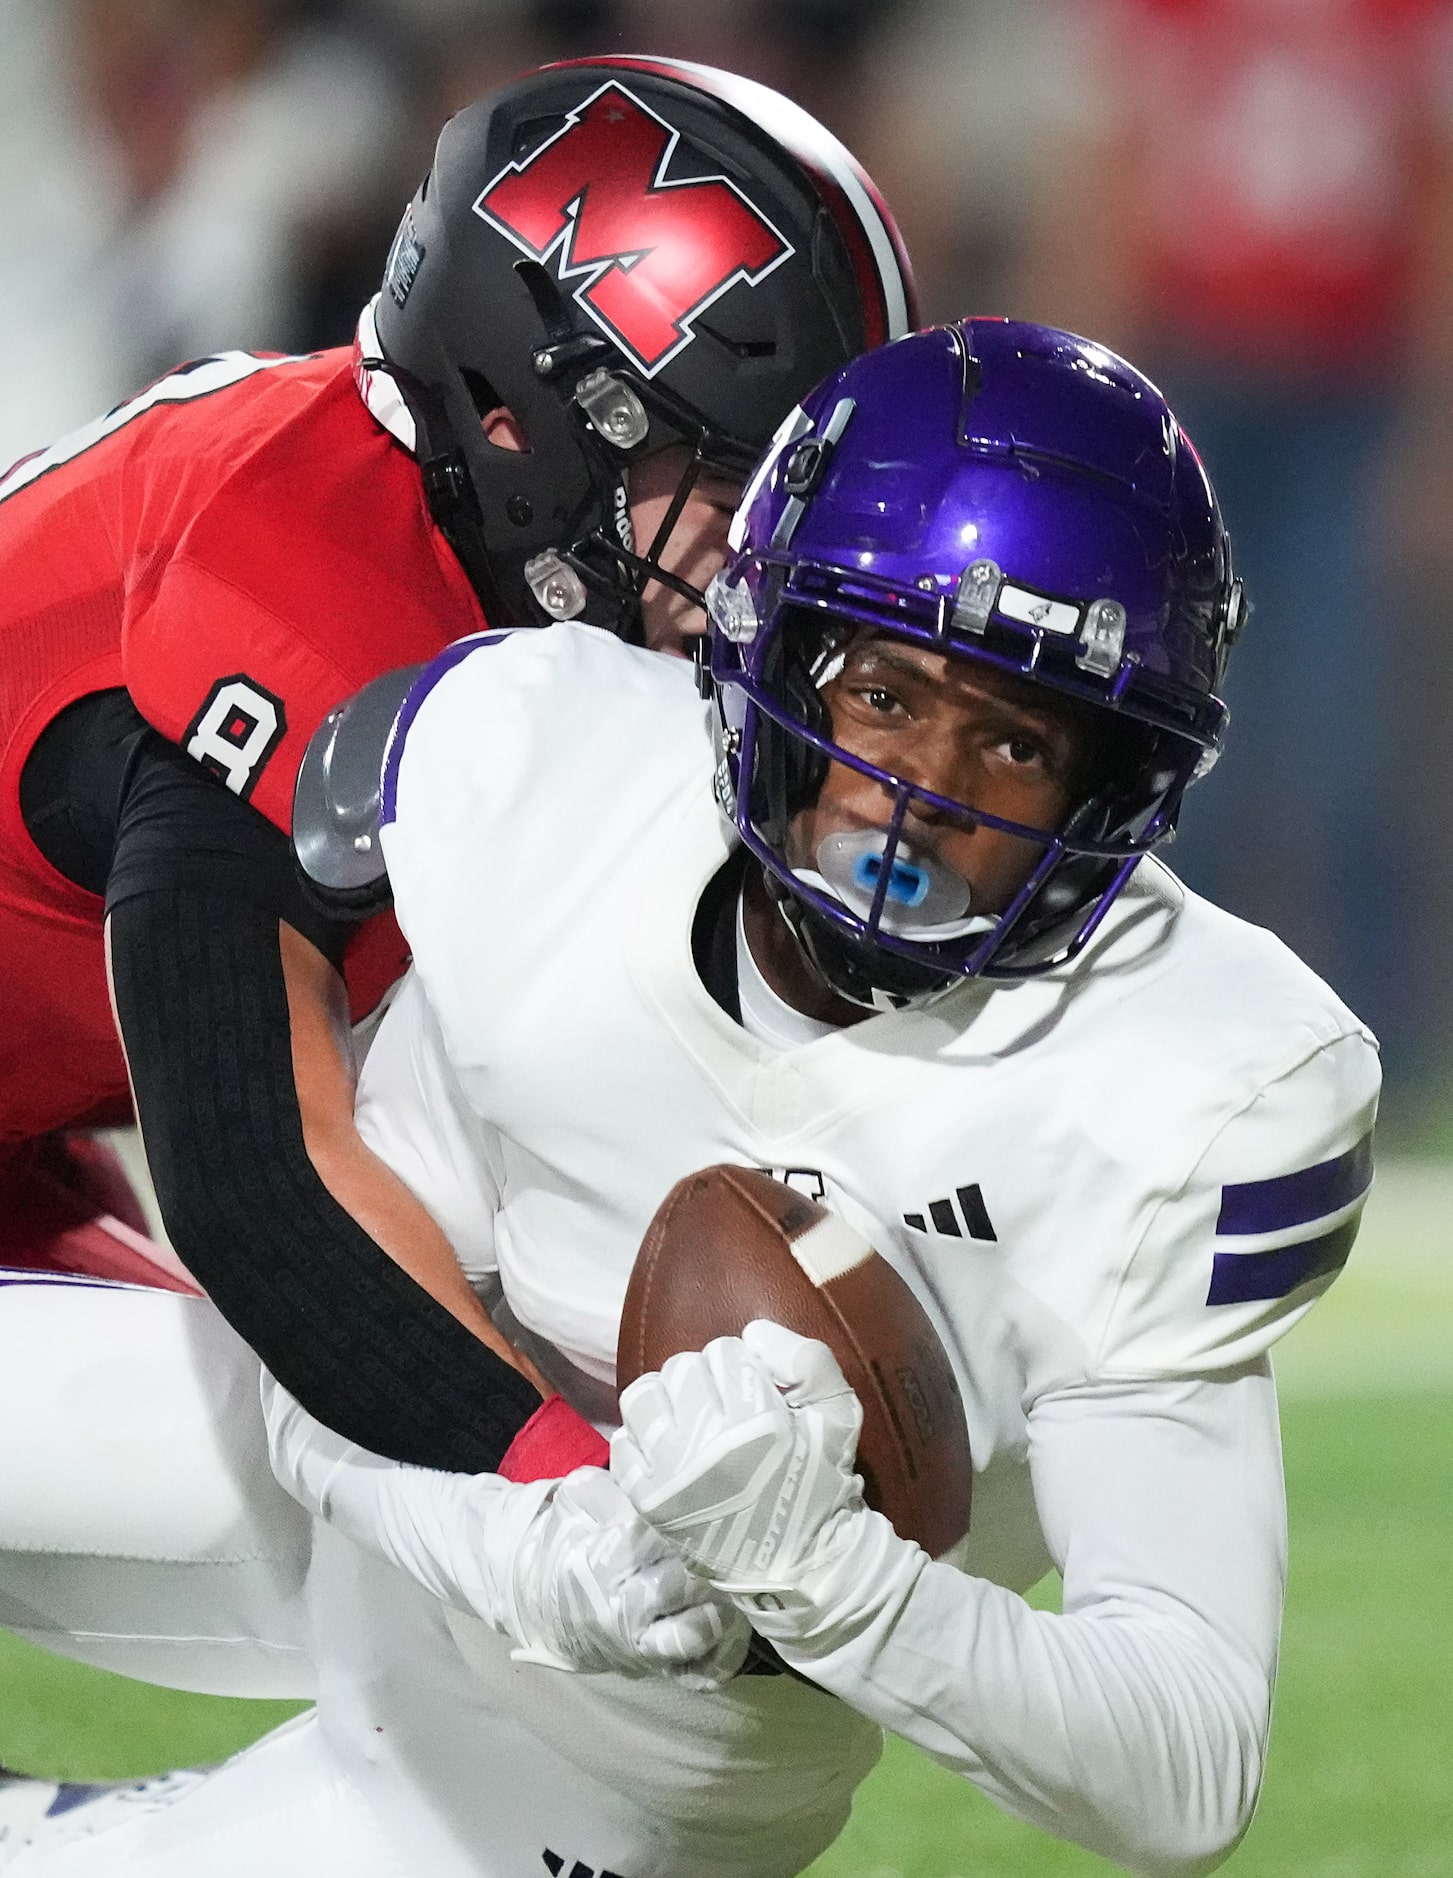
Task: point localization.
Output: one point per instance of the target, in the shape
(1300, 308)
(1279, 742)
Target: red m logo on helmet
(652, 252)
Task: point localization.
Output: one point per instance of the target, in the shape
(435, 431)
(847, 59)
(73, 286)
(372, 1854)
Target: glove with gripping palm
(742, 1456)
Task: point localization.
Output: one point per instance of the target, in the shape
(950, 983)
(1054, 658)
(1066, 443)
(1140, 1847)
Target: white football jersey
(1140, 1168)
(1148, 1163)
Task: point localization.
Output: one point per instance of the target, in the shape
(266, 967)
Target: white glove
(582, 1583)
(564, 1569)
(742, 1455)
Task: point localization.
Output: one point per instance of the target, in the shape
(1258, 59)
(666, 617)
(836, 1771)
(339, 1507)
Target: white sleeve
(1135, 1723)
(443, 1529)
(1237, 1250)
(412, 1112)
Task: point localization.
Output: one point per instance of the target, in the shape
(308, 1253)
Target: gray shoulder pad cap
(336, 801)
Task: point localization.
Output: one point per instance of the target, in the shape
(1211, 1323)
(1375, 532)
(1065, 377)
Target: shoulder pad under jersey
(336, 800)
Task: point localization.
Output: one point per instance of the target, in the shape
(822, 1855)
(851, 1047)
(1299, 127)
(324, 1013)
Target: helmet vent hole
(482, 393)
(739, 348)
(530, 133)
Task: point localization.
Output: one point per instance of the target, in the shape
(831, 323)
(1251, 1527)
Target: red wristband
(554, 1441)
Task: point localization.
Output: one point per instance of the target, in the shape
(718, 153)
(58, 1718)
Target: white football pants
(141, 1529)
(145, 1533)
(293, 1806)
(282, 1807)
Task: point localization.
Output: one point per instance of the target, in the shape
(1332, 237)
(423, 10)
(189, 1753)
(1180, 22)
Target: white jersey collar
(765, 1016)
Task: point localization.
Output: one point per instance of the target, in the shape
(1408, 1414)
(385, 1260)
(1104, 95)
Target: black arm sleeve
(197, 887)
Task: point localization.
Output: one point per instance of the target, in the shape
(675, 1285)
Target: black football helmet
(628, 254)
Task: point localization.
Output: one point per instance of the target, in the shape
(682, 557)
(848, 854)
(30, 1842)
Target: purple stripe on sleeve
(1245, 1277)
(1296, 1199)
(413, 703)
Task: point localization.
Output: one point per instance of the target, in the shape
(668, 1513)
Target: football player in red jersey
(618, 277)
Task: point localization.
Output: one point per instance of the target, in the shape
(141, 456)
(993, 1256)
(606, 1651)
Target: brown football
(730, 1244)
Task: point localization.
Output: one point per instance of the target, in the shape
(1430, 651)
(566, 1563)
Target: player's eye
(873, 696)
(1023, 752)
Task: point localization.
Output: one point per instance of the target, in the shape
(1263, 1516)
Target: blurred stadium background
(1254, 200)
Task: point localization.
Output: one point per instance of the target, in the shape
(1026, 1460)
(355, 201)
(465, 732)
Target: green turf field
(1360, 1782)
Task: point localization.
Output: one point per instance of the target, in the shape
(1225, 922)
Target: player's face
(962, 730)
(696, 548)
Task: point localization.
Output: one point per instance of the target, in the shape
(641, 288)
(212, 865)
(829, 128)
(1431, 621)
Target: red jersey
(242, 546)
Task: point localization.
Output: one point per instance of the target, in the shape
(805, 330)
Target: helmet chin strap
(630, 572)
(850, 970)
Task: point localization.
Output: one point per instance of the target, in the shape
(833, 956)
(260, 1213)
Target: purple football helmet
(1004, 493)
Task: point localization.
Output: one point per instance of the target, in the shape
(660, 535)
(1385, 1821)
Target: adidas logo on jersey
(556, 1865)
(969, 1218)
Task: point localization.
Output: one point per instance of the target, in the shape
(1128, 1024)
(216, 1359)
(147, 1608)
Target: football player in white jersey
(964, 665)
